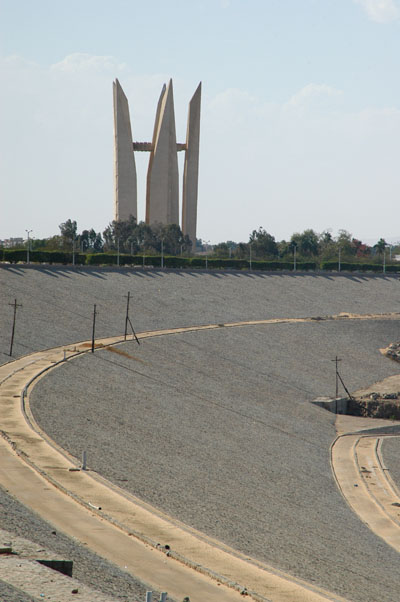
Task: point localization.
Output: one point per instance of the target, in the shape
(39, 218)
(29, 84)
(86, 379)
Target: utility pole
(73, 249)
(339, 265)
(94, 326)
(337, 360)
(118, 252)
(250, 255)
(162, 252)
(128, 320)
(15, 305)
(127, 315)
(294, 257)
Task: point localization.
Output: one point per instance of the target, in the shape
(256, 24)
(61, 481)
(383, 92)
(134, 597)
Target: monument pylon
(162, 199)
(191, 168)
(162, 192)
(125, 191)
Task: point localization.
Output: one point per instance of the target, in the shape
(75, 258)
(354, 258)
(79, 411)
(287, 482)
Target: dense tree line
(306, 245)
(134, 238)
(124, 236)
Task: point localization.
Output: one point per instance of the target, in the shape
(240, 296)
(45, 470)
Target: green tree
(120, 234)
(262, 244)
(221, 250)
(173, 239)
(343, 241)
(306, 243)
(380, 246)
(68, 231)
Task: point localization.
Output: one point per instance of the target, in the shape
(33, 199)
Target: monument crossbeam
(148, 146)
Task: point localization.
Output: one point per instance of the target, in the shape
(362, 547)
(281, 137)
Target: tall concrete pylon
(162, 198)
(191, 168)
(125, 195)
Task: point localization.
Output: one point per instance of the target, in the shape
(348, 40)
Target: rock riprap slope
(216, 429)
(57, 302)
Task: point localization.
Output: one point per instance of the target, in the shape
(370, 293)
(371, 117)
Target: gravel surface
(391, 456)
(57, 302)
(88, 568)
(11, 594)
(215, 428)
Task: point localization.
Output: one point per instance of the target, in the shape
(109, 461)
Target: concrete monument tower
(162, 194)
(191, 169)
(162, 199)
(125, 197)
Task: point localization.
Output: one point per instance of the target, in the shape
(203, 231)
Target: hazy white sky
(300, 123)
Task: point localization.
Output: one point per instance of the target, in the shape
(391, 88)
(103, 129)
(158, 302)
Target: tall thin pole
(73, 249)
(294, 257)
(28, 246)
(15, 304)
(384, 260)
(127, 315)
(250, 255)
(162, 252)
(117, 251)
(339, 265)
(94, 326)
(337, 360)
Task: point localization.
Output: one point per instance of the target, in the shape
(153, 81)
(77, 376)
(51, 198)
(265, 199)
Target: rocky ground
(57, 302)
(88, 568)
(215, 427)
(391, 455)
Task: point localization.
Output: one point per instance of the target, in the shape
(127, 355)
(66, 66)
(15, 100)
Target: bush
(176, 262)
(101, 259)
(359, 267)
(16, 255)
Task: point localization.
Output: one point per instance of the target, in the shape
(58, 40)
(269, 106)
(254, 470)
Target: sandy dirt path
(359, 468)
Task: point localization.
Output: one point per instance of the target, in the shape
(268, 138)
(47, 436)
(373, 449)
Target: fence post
(149, 596)
(163, 597)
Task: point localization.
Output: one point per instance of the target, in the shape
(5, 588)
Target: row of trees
(134, 238)
(123, 236)
(307, 245)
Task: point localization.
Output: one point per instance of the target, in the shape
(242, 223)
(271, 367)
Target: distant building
(9, 243)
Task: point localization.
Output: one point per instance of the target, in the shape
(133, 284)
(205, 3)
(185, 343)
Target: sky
(300, 121)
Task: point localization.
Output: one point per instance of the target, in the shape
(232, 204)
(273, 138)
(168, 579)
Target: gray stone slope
(12, 594)
(391, 457)
(57, 302)
(216, 428)
(88, 568)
